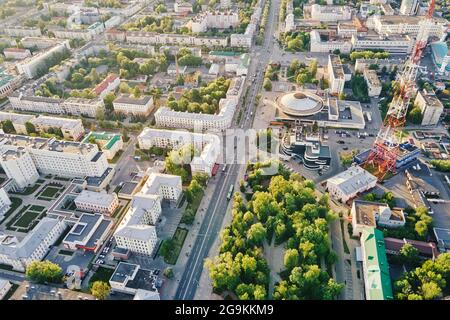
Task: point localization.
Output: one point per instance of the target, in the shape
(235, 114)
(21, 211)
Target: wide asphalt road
(217, 208)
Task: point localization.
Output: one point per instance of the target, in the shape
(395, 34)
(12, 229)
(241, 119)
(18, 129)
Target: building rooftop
(105, 83)
(155, 180)
(109, 138)
(336, 65)
(372, 78)
(367, 212)
(63, 123)
(431, 99)
(96, 198)
(376, 272)
(16, 118)
(352, 179)
(129, 99)
(29, 291)
(88, 230)
(428, 249)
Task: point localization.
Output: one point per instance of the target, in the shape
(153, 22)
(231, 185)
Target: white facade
(51, 156)
(109, 84)
(174, 39)
(82, 107)
(373, 83)
(19, 31)
(207, 144)
(409, 7)
(336, 74)
(214, 19)
(16, 53)
(346, 185)
(5, 202)
(182, 7)
(400, 25)
(330, 13)
(430, 106)
(9, 83)
(18, 120)
(19, 166)
(33, 247)
(5, 286)
(97, 202)
(31, 65)
(168, 118)
(71, 128)
(392, 44)
(129, 105)
(317, 45)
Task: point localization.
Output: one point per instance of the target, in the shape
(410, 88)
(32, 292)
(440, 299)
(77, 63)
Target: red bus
(215, 169)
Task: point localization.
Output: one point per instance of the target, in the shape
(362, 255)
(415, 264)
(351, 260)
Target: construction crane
(384, 153)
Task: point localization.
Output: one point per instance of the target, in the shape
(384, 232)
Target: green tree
(44, 271)
(267, 85)
(108, 100)
(30, 127)
(409, 255)
(256, 234)
(168, 273)
(136, 92)
(100, 290)
(8, 126)
(291, 257)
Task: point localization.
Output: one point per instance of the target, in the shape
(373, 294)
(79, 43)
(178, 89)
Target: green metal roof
(376, 272)
(111, 137)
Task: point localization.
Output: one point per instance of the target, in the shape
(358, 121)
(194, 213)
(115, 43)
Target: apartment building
(393, 44)
(40, 43)
(19, 31)
(62, 33)
(207, 144)
(30, 66)
(18, 166)
(34, 246)
(321, 42)
(136, 231)
(128, 104)
(5, 286)
(168, 118)
(5, 202)
(182, 7)
(348, 184)
(409, 7)
(330, 13)
(214, 19)
(400, 25)
(336, 74)
(16, 53)
(88, 233)
(373, 83)
(441, 56)
(109, 143)
(82, 107)
(388, 64)
(430, 106)
(62, 158)
(71, 128)
(109, 84)
(97, 202)
(18, 120)
(9, 83)
(140, 37)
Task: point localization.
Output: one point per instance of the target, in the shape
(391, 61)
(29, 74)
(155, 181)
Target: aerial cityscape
(224, 150)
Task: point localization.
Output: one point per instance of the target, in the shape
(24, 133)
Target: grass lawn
(102, 274)
(26, 219)
(65, 252)
(49, 192)
(37, 208)
(117, 212)
(11, 291)
(193, 207)
(15, 203)
(29, 190)
(178, 239)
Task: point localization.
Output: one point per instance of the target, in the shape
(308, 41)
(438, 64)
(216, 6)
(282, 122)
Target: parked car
(341, 141)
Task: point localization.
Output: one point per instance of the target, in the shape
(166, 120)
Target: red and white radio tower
(385, 150)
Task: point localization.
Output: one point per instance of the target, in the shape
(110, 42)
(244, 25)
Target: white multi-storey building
(16, 53)
(128, 104)
(330, 13)
(63, 158)
(91, 201)
(71, 128)
(19, 31)
(430, 106)
(373, 83)
(346, 185)
(19, 166)
(9, 83)
(5, 202)
(40, 43)
(409, 7)
(136, 231)
(151, 38)
(82, 107)
(214, 19)
(328, 46)
(336, 74)
(393, 44)
(168, 118)
(33, 247)
(22, 102)
(30, 66)
(207, 144)
(400, 25)
(182, 7)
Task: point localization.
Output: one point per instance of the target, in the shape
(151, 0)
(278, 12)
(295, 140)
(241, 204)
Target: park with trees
(282, 210)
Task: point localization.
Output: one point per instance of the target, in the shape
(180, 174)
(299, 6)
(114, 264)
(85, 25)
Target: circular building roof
(300, 103)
